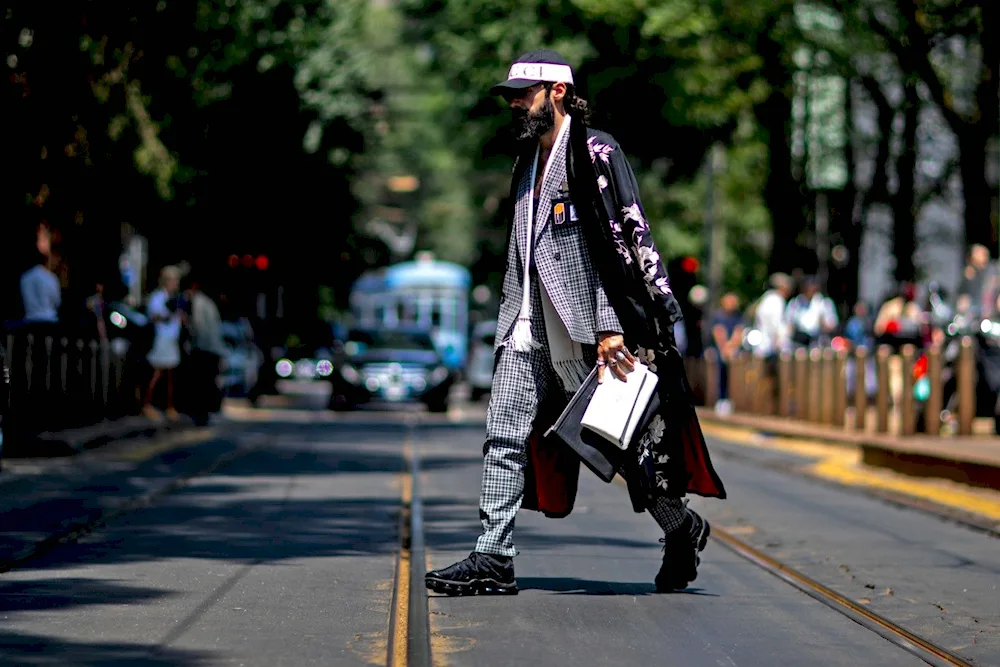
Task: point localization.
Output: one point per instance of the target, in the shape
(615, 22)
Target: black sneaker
(680, 553)
(479, 574)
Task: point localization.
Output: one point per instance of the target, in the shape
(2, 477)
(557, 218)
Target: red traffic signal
(260, 262)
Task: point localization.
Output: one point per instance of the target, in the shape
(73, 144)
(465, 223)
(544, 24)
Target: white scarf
(522, 338)
(566, 355)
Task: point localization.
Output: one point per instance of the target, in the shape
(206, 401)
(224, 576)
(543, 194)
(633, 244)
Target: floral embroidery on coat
(599, 150)
(656, 452)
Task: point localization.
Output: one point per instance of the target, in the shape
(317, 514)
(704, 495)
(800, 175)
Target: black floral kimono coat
(669, 456)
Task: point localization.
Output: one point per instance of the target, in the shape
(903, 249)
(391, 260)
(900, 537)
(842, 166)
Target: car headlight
(283, 368)
(438, 375)
(350, 374)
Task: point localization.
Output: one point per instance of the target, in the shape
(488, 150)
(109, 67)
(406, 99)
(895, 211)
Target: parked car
(239, 368)
(305, 363)
(394, 365)
(480, 370)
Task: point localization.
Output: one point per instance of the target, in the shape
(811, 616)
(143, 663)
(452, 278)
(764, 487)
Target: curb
(909, 458)
(75, 441)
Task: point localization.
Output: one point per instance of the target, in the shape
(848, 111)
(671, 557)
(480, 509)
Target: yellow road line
(137, 452)
(401, 611)
(842, 464)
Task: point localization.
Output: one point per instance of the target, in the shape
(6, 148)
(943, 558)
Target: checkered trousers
(521, 382)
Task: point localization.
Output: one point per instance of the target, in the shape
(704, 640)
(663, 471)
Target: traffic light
(260, 262)
(689, 264)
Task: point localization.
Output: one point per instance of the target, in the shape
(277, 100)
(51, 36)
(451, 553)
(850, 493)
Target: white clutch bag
(616, 407)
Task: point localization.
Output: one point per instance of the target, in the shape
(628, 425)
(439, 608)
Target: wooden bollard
(764, 390)
(711, 368)
(735, 386)
(743, 381)
(882, 396)
(815, 385)
(826, 390)
(752, 384)
(935, 401)
(801, 384)
(966, 386)
(840, 388)
(907, 416)
(786, 388)
(860, 388)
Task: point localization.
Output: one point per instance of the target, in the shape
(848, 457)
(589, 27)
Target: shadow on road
(573, 586)
(310, 492)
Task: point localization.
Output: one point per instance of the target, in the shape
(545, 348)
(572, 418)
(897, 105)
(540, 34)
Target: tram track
(969, 520)
(927, 651)
(409, 634)
(409, 628)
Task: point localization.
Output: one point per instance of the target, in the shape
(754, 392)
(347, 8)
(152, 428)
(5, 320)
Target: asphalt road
(285, 554)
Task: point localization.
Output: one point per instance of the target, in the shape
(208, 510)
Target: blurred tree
(183, 119)
(949, 50)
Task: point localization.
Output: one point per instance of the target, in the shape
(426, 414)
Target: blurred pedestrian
(858, 332)
(570, 301)
(165, 356)
(726, 326)
(977, 276)
(812, 317)
(207, 350)
(769, 318)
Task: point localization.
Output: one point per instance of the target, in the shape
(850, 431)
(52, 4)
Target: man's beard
(527, 126)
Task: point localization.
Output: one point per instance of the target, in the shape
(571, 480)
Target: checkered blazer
(559, 256)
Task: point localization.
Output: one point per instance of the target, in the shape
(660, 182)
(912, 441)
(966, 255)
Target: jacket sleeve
(607, 321)
(634, 238)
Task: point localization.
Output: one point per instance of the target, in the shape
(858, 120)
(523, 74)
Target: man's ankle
(497, 557)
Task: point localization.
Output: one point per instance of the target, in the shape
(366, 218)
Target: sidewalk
(44, 500)
(972, 460)
(71, 442)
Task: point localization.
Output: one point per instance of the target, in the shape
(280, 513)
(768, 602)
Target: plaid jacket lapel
(551, 185)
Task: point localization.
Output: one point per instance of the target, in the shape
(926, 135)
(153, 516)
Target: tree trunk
(853, 224)
(904, 214)
(782, 192)
(976, 191)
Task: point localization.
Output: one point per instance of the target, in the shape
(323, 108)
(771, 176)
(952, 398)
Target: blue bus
(425, 293)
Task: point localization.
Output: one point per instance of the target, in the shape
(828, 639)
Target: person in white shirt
(811, 316)
(165, 355)
(769, 317)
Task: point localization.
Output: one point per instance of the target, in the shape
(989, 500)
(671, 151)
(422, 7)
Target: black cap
(519, 78)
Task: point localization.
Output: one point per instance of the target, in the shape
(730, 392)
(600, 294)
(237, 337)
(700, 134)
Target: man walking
(207, 349)
(584, 285)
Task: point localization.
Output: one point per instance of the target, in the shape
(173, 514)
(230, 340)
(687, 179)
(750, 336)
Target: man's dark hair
(575, 106)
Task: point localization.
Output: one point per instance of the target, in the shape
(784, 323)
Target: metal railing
(63, 382)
